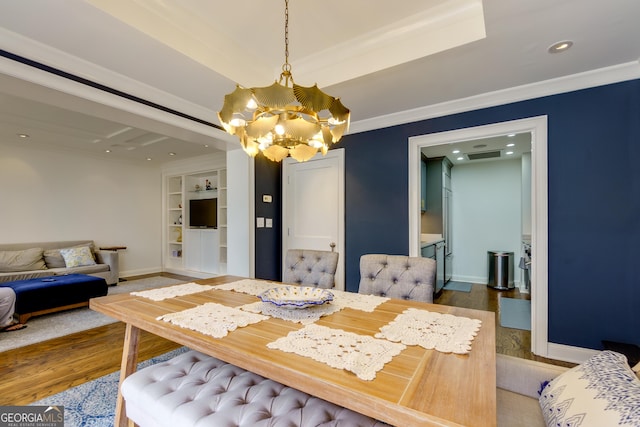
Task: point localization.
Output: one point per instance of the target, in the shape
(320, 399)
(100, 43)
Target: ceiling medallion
(284, 119)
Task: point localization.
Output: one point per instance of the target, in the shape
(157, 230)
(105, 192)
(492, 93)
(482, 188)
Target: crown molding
(593, 78)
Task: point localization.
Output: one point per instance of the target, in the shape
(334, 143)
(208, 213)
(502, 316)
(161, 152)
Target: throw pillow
(77, 257)
(636, 369)
(603, 391)
(53, 258)
(26, 260)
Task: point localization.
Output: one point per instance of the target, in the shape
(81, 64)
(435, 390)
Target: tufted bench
(398, 276)
(309, 267)
(194, 389)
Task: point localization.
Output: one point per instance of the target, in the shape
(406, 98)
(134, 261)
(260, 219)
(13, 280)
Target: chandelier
(284, 119)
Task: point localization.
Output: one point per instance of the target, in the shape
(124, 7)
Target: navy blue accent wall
(268, 240)
(594, 204)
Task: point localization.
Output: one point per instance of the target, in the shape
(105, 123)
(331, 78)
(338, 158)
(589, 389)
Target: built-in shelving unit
(190, 249)
(175, 218)
(222, 218)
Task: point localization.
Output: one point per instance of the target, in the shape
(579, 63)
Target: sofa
(602, 391)
(21, 261)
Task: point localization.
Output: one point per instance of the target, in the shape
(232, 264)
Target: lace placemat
(304, 316)
(362, 302)
(361, 354)
(212, 319)
(250, 286)
(442, 332)
(172, 291)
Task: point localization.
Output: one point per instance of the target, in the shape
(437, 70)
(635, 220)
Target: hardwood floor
(513, 342)
(34, 372)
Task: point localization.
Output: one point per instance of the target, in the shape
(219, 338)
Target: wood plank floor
(34, 372)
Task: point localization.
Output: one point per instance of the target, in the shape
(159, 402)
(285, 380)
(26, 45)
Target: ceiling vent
(484, 155)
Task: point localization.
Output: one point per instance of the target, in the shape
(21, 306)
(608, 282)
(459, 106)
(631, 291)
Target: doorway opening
(537, 128)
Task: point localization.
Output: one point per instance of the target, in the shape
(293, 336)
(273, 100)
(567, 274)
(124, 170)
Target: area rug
(48, 326)
(457, 286)
(94, 403)
(515, 313)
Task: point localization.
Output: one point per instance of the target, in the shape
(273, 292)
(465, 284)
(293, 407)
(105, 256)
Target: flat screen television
(203, 213)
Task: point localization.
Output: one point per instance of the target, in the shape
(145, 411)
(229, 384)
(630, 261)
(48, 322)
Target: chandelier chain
(286, 68)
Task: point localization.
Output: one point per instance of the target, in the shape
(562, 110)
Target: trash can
(500, 270)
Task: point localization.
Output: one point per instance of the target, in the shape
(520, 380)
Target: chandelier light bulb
(252, 105)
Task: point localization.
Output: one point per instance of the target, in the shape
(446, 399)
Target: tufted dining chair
(398, 276)
(310, 267)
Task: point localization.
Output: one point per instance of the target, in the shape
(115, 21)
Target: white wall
(240, 214)
(526, 193)
(55, 195)
(486, 216)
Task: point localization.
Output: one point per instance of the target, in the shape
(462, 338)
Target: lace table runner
(172, 291)
(363, 355)
(250, 286)
(212, 319)
(442, 332)
(302, 315)
(362, 302)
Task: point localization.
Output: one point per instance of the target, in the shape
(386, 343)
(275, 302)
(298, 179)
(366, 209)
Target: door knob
(333, 246)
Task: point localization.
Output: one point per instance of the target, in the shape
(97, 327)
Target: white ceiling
(379, 57)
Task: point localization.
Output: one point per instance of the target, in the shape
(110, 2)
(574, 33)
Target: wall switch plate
(269, 222)
(260, 222)
(267, 198)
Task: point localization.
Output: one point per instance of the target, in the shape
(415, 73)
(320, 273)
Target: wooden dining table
(418, 387)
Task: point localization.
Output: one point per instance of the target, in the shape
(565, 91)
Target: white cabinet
(201, 250)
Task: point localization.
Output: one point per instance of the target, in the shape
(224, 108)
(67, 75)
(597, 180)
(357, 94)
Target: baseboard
(191, 273)
(481, 280)
(139, 272)
(569, 353)
(469, 279)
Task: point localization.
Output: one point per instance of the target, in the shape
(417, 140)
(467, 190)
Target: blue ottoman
(56, 293)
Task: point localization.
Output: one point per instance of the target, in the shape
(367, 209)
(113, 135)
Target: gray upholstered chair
(398, 276)
(311, 268)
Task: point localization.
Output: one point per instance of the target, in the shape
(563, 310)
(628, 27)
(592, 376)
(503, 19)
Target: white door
(313, 206)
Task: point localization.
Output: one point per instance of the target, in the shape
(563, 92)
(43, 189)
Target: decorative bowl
(296, 296)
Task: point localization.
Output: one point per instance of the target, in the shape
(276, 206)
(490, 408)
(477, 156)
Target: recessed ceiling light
(560, 46)
(509, 153)
(455, 151)
(511, 135)
(172, 154)
(511, 144)
(460, 158)
(206, 145)
(148, 158)
(107, 151)
(23, 135)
